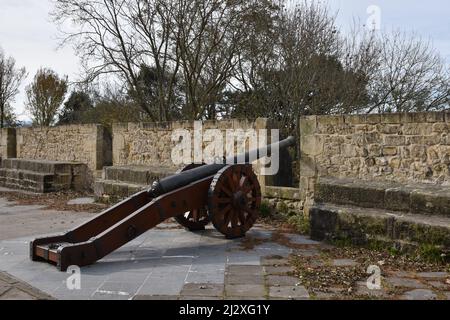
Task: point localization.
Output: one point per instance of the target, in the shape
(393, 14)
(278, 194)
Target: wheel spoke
(235, 181)
(241, 217)
(223, 211)
(243, 182)
(223, 200)
(227, 191)
(195, 214)
(234, 220)
(227, 218)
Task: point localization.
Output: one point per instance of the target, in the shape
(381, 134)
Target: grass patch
(265, 210)
(300, 223)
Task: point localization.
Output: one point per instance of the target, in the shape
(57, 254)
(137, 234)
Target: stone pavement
(166, 262)
(171, 263)
(14, 289)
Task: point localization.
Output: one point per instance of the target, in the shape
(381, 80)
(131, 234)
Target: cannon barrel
(182, 179)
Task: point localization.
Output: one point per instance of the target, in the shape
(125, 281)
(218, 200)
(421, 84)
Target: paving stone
(3, 289)
(405, 283)
(242, 258)
(289, 292)
(156, 297)
(123, 288)
(206, 277)
(16, 294)
(299, 239)
(439, 284)
(274, 261)
(15, 289)
(202, 289)
(363, 290)
(245, 269)
(281, 270)
(81, 201)
(244, 298)
(236, 278)
(307, 252)
(242, 290)
(344, 263)
(275, 280)
(199, 298)
(403, 274)
(420, 294)
(164, 284)
(102, 295)
(260, 234)
(433, 275)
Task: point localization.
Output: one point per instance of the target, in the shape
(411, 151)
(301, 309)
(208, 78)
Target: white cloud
(27, 34)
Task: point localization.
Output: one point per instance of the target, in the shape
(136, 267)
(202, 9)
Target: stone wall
(78, 143)
(411, 147)
(150, 144)
(284, 199)
(8, 143)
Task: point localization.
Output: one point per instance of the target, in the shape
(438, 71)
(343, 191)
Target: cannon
(225, 194)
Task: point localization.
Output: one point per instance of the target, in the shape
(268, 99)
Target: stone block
(397, 199)
(430, 202)
(390, 151)
(392, 140)
(239, 290)
(355, 120)
(312, 145)
(289, 292)
(373, 118)
(391, 118)
(206, 289)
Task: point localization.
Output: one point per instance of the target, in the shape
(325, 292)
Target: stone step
(141, 175)
(41, 166)
(361, 226)
(33, 181)
(418, 198)
(116, 190)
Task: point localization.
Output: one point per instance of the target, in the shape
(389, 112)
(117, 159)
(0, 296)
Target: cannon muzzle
(182, 179)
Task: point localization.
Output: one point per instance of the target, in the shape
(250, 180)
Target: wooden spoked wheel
(234, 200)
(196, 219)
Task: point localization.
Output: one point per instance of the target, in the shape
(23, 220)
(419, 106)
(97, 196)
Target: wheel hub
(239, 200)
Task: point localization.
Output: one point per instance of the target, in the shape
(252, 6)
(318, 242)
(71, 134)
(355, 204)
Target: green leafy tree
(75, 108)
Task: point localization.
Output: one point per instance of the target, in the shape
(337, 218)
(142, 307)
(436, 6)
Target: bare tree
(301, 73)
(188, 43)
(10, 80)
(410, 76)
(45, 95)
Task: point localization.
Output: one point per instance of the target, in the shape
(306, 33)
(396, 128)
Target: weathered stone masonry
(87, 144)
(8, 143)
(406, 148)
(150, 144)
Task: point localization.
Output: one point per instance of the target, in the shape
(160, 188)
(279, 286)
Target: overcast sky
(27, 33)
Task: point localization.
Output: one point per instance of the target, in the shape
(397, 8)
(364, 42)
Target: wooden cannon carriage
(228, 195)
